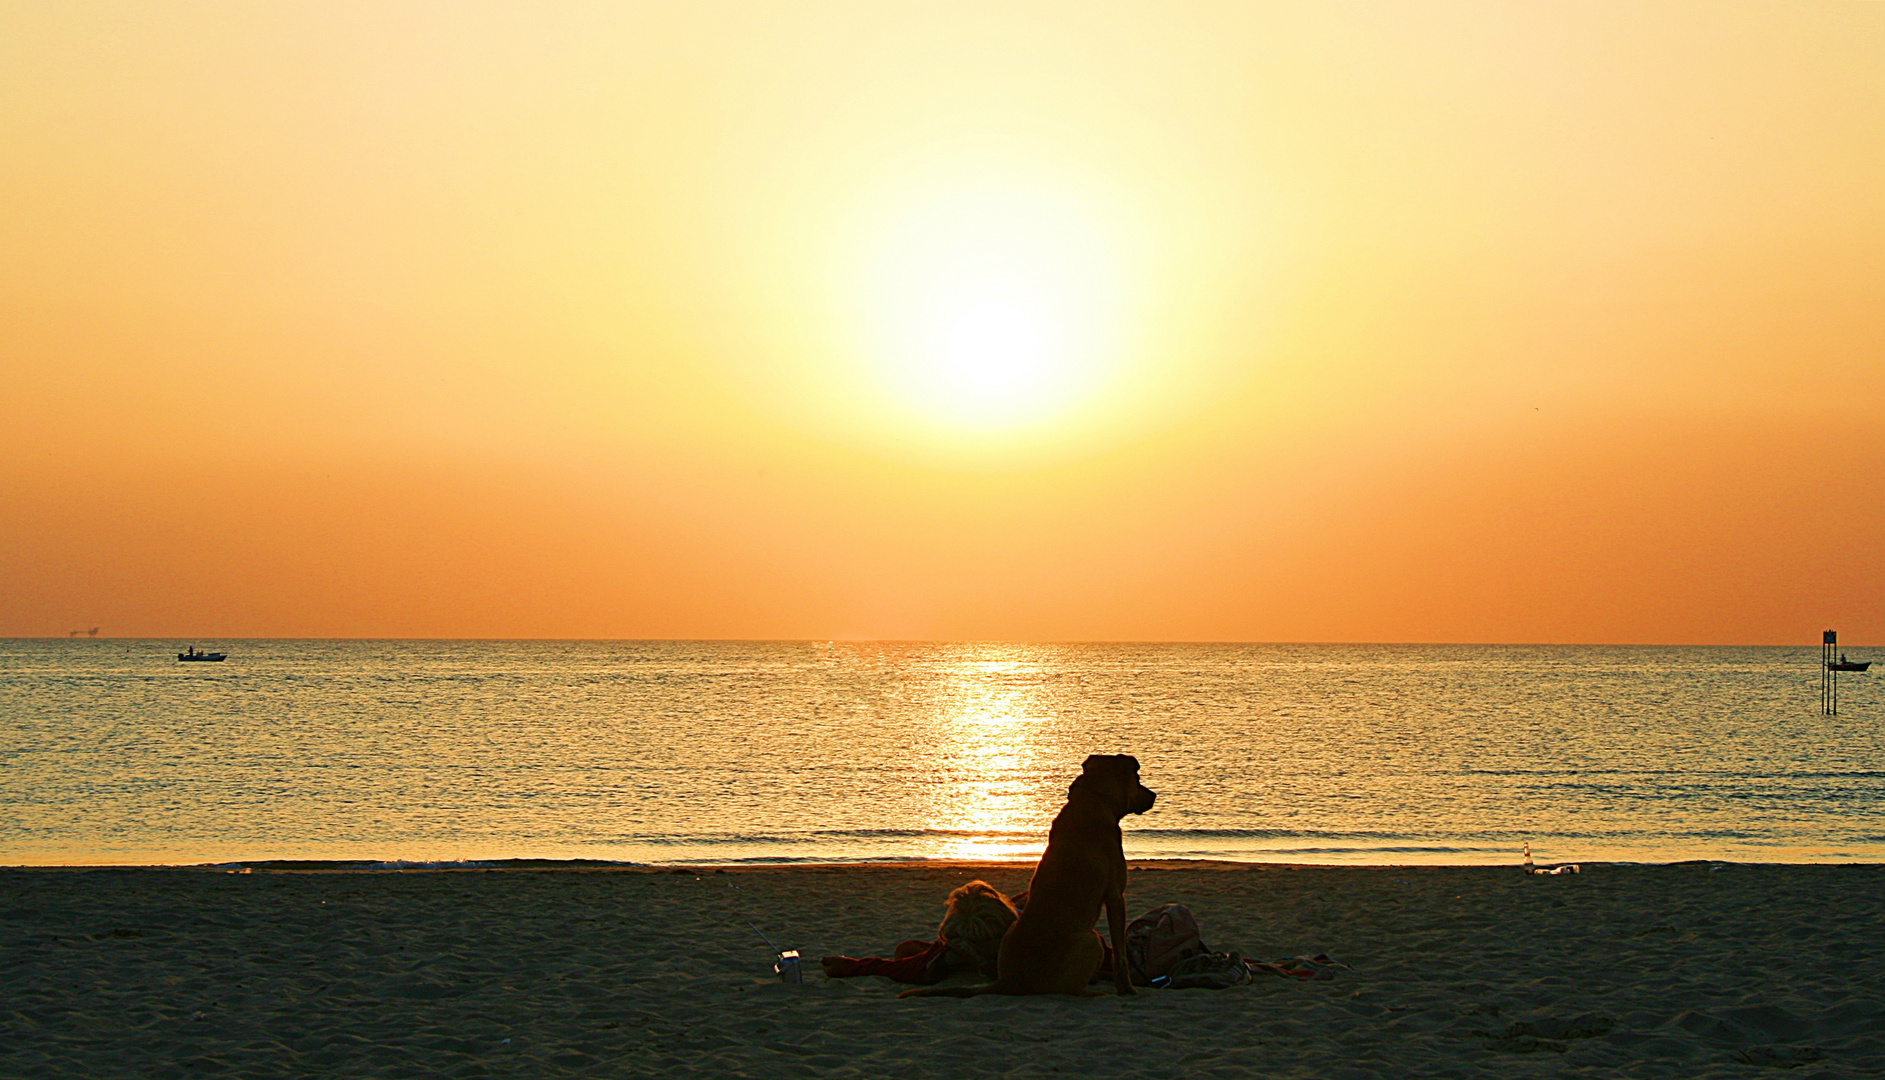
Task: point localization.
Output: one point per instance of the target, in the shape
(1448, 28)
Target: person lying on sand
(967, 940)
(974, 919)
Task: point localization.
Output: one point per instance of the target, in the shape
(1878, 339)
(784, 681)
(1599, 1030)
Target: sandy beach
(1685, 970)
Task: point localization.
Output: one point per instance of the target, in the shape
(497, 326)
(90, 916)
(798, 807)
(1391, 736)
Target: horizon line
(943, 641)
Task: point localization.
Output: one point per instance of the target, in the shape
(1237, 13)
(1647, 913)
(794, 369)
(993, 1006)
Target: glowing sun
(992, 309)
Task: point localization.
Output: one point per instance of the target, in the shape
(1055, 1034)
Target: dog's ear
(1084, 780)
(1090, 771)
(1115, 764)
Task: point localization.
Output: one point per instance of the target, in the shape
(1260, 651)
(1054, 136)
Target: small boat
(1843, 664)
(206, 656)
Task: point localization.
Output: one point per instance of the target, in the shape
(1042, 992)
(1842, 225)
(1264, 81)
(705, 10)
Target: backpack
(1159, 939)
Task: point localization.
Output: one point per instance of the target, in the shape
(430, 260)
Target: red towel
(910, 966)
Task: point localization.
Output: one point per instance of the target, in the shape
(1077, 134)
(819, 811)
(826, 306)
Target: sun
(992, 308)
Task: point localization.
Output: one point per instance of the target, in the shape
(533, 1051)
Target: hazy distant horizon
(1815, 643)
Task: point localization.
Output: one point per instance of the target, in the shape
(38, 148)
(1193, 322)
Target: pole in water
(1829, 675)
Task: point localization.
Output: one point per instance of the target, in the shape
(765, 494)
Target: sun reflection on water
(990, 725)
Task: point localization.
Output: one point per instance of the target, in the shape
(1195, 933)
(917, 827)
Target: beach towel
(1209, 971)
(1315, 968)
(910, 966)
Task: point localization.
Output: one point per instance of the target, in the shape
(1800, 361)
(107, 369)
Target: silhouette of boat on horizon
(209, 657)
(1843, 664)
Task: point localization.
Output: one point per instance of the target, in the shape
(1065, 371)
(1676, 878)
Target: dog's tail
(949, 991)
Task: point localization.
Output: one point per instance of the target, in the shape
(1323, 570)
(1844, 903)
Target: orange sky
(1416, 322)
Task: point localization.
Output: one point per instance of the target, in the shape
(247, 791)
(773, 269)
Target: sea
(394, 753)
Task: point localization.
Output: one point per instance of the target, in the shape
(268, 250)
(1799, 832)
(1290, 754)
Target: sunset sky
(1263, 322)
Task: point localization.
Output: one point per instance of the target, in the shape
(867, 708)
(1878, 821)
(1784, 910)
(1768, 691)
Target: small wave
(409, 864)
(1408, 849)
(816, 835)
(812, 836)
(1688, 773)
(907, 834)
(793, 860)
(1510, 837)
(1268, 834)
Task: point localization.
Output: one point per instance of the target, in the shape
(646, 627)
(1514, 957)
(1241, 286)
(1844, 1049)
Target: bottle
(788, 967)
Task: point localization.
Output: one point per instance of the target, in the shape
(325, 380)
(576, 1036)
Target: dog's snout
(1143, 801)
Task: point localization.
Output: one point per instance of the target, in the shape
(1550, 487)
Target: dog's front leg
(1116, 923)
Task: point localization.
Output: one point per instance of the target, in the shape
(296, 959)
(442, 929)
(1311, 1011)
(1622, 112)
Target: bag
(1158, 940)
(1209, 971)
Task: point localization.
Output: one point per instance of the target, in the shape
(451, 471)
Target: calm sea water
(113, 752)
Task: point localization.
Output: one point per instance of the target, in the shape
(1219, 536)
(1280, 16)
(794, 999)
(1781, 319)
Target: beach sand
(1690, 970)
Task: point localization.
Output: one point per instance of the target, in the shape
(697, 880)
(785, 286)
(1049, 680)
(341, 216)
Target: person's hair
(976, 911)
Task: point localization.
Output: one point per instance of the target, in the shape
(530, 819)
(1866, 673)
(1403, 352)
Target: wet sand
(1691, 970)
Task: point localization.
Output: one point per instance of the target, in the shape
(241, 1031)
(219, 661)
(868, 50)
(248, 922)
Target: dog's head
(1114, 779)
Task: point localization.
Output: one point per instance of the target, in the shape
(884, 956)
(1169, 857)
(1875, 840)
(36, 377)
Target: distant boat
(194, 655)
(1843, 664)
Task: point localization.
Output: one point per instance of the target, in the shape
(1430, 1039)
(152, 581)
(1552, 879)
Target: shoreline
(622, 866)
